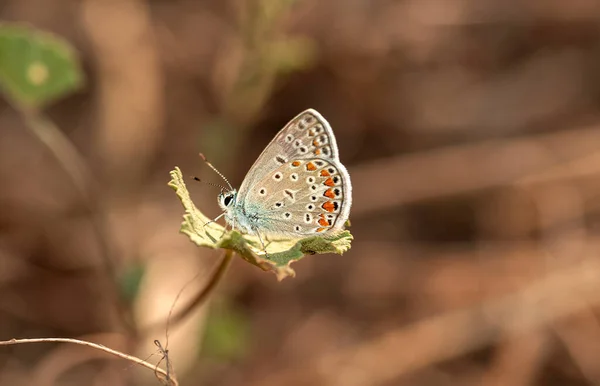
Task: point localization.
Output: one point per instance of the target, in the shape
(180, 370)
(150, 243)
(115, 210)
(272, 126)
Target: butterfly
(296, 188)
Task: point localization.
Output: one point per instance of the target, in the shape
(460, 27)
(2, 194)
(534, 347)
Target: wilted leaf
(280, 253)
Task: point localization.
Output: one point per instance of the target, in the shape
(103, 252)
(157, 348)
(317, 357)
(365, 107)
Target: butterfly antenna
(211, 184)
(216, 171)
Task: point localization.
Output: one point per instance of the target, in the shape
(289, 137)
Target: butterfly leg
(215, 220)
(224, 231)
(233, 224)
(267, 242)
(262, 243)
(225, 227)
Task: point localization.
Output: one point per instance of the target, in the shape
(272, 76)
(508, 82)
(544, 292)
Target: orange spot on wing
(296, 163)
(329, 182)
(315, 143)
(318, 152)
(323, 222)
(325, 173)
(321, 229)
(328, 206)
(310, 166)
(329, 193)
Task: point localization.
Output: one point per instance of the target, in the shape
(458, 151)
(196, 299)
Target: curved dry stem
(201, 297)
(61, 148)
(167, 377)
(205, 293)
(76, 168)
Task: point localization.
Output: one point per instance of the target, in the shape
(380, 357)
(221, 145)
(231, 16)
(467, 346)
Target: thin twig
(205, 293)
(97, 346)
(215, 279)
(62, 149)
(165, 355)
(76, 168)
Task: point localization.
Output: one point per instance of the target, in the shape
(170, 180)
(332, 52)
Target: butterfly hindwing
(302, 197)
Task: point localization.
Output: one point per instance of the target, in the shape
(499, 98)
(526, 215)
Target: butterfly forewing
(297, 186)
(306, 136)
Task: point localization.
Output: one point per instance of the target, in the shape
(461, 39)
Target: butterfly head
(227, 199)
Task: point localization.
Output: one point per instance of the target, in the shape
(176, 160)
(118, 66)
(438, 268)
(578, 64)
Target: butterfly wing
(298, 186)
(308, 135)
(301, 198)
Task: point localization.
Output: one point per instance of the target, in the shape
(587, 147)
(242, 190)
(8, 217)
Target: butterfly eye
(227, 200)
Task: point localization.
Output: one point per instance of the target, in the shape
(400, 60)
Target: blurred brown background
(471, 131)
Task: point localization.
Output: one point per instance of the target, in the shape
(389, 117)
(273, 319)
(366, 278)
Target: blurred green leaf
(36, 67)
(281, 253)
(292, 54)
(131, 279)
(226, 333)
(219, 136)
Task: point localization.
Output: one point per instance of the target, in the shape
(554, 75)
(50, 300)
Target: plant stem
(97, 346)
(76, 168)
(202, 296)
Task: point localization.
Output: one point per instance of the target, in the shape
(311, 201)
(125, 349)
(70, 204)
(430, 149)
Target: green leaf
(280, 253)
(292, 54)
(36, 67)
(226, 333)
(131, 279)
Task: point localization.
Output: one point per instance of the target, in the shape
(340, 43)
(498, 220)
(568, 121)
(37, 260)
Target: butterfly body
(296, 188)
